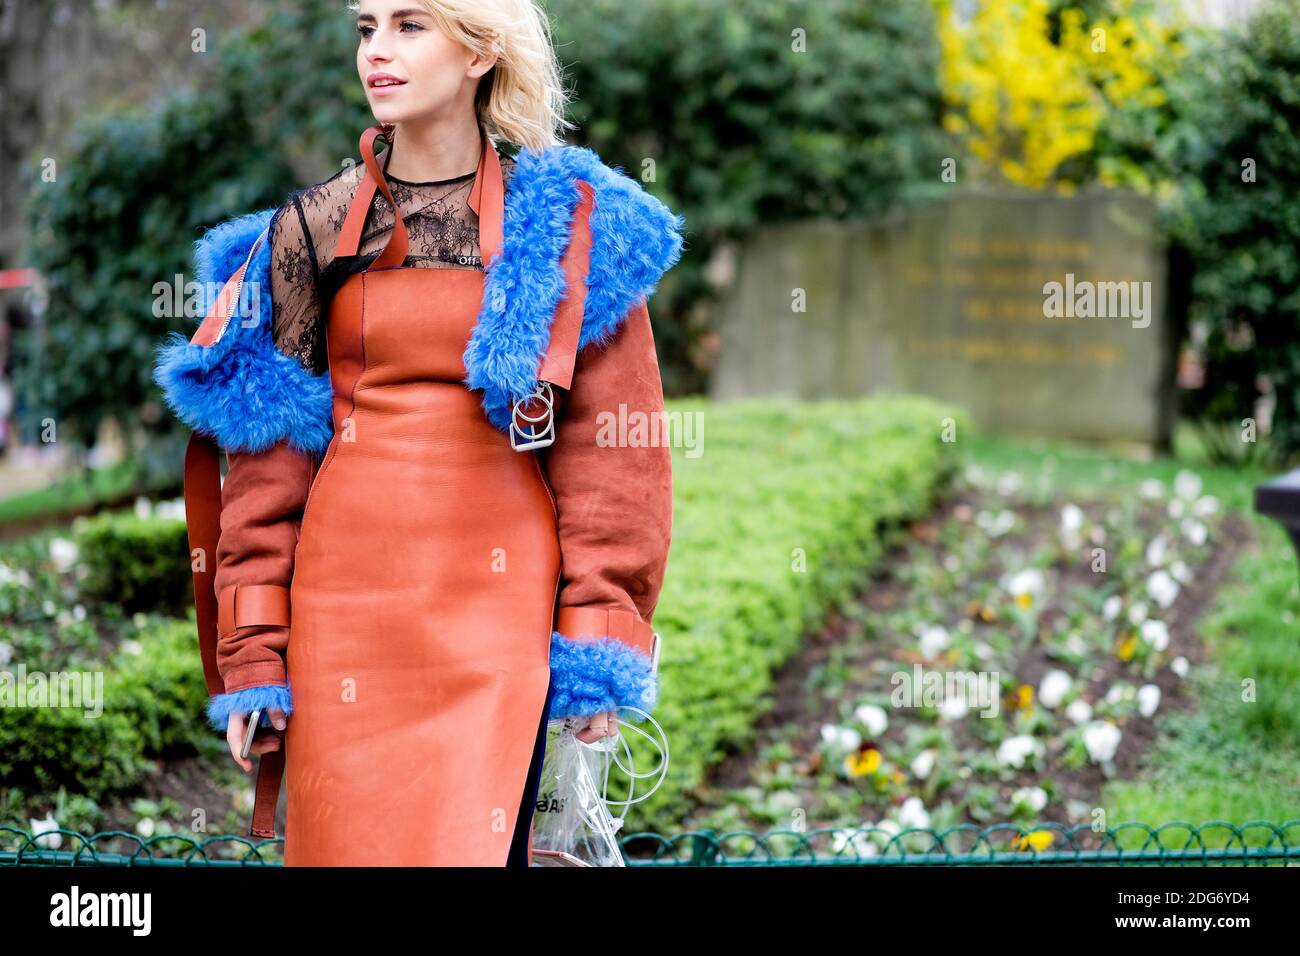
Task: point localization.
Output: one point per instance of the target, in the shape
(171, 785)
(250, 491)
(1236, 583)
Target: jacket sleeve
(264, 493)
(263, 496)
(614, 501)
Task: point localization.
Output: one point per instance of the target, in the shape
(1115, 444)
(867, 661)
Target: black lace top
(305, 273)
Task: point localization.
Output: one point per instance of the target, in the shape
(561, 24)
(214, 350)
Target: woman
(451, 584)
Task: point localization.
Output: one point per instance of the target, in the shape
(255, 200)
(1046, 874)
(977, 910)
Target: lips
(383, 81)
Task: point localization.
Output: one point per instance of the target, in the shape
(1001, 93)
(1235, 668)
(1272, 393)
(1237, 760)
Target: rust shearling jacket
(613, 501)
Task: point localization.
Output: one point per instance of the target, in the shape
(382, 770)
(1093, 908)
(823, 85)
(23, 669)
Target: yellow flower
(1036, 840)
(1025, 600)
(862, 762)
(1127, 647)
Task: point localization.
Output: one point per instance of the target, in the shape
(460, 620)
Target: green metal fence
(1215, 842)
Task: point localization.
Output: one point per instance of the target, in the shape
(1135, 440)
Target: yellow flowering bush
(1029, 85)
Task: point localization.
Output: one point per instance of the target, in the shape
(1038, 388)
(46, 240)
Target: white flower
(1176, 508)
(953, 707)
(1180, 571)
(845, 738)
(1117, 693)
(1031, 798)
(1205, 506)
(1179, 666)
(1162, 588)
(1157, 550)
(43, 831)
(143, 509)
(1053, 688)
(1079, 711)
(983, 651)
(145, 827)
(79, 612)
(1009, 482)
(1013, 751)
(1152, 488)
(951, 563)
(923, 764)
(1071, 519)
(6, 652)
(912, 814)
(1155, 633)
(873, 718)
(48, 608)
(996, 525)
(1148, 699)
(1187, 485)
(1195, 531)
(63, 552)
(132, 646)
(1114, 604)
(1102, 740)
(854, 841)
(1029, 581)
(934, 638)
(1075, 644)
(1137, 614)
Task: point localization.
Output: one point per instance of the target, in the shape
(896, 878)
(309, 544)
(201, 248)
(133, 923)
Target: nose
(377, 48)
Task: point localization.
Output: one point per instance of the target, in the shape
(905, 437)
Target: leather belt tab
(592, 623)
(241, 605)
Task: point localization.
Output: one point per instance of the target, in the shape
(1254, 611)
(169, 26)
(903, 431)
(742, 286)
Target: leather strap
(488, 200)
(394, 252)
(241, 605)
(350, 235)
(203, 503)
(593, 623)
(203, 524)
(566, 327)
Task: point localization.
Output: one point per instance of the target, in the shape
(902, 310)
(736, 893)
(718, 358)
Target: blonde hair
(521, 99)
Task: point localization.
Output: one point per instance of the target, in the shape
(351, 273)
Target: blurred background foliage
(789, 111)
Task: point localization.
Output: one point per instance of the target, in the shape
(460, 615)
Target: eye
(411, 23)
(363, 31)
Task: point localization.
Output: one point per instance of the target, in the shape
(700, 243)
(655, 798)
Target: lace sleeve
(295, 296)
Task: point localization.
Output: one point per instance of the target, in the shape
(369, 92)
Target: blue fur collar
(248, 395)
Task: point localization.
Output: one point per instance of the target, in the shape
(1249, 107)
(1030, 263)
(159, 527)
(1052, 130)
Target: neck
(435, 149)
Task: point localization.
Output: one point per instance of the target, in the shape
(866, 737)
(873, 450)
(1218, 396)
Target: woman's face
(409, 68)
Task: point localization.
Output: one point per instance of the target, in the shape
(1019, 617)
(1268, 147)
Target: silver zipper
(239, 286)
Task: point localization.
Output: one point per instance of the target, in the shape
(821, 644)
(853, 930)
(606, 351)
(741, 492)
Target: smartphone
(253, 719)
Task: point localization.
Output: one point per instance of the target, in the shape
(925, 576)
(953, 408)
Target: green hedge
(152, 706)
(138, 563)
(774, 477)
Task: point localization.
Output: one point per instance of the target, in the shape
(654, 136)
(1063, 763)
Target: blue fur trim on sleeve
(245, 701)
(591, 677)
(635, 239)
(242, 390)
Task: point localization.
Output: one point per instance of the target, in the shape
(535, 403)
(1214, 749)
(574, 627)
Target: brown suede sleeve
(262, 503)
(614, 497)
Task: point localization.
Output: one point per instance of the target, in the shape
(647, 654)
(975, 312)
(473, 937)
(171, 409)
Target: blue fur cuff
(591, 677)
(245, 701)
(242, 390)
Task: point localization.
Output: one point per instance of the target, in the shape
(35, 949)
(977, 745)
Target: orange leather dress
(423, 595)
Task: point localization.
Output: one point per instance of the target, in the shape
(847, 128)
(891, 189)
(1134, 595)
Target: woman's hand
(235, 737)
(601, 725)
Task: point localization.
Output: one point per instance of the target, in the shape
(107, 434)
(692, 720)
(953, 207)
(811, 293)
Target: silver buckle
(654, 654)
(533, 437)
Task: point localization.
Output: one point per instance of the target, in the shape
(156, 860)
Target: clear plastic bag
(572, 823)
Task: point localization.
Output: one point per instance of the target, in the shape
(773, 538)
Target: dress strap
(395, 250)
(487, 199)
